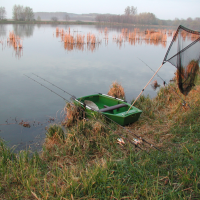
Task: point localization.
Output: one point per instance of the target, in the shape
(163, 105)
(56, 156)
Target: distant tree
(38, 18)
(2, 13)
(22, 13)
(28, 12)
(130, 13)
(55, 19)
(147, 18)
(66, 17)
(133, 10)
(176, 22)
(99, 18)
(127, 10)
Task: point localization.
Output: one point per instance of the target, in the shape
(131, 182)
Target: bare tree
(2, 13)
(99, 18)
(55, 19)
(127, 10)
(66, 17)
(133, 10)
(38, 18)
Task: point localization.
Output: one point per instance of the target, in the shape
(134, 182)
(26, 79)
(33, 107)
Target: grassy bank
(47, 22)
(85, 161)
(78, 22)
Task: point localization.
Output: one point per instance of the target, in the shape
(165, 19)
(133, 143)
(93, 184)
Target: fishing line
(99, 112)
(87, 113)
(53, 85)
(164, 82)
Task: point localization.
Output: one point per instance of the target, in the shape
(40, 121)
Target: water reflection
(14, 39)
(23, 30)
(3, 30)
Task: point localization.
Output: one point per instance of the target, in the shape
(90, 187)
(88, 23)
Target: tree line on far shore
(130, 16)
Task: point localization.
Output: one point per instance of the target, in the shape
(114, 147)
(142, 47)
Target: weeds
(116, 90)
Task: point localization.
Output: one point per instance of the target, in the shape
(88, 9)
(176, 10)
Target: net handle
(144, 88)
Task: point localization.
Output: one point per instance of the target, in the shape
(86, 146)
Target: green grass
(85, 161)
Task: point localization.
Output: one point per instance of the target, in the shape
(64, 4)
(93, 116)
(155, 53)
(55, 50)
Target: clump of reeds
(155, 84)
(116, 90)
(16, 42)
(73, 114)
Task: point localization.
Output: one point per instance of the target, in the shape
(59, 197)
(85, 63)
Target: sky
(163, 9)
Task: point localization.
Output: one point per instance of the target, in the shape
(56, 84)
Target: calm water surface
(81, 71)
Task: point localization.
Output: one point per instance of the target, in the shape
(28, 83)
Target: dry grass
(72, 115)
(161, 113)
(116, 90)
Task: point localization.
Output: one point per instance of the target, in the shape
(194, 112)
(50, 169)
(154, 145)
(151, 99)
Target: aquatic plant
(116, 90)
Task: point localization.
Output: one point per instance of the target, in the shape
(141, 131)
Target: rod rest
(112, 107)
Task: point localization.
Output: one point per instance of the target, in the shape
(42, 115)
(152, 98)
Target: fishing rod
(87, 113)
(101, 114)
(164, 82)
(53, 85)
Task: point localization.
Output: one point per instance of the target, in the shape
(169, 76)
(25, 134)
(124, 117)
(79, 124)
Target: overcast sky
(163, 9)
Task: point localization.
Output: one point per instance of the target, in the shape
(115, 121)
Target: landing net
(184, 54)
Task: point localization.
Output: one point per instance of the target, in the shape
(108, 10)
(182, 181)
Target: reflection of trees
(23, 30)
(3, 30)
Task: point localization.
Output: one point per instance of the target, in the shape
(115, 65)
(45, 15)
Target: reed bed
(149, 36)
(77, 41)
(152, 37)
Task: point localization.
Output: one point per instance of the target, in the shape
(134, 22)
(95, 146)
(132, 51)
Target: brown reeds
(72, 115)
(151, 37)
(77, 41)
(116, 90)
(15, 42)
(155, 84)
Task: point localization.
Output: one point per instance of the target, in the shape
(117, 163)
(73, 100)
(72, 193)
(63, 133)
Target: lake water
(81, 70)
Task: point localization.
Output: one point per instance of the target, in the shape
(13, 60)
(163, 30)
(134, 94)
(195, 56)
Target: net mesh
(184, 54)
